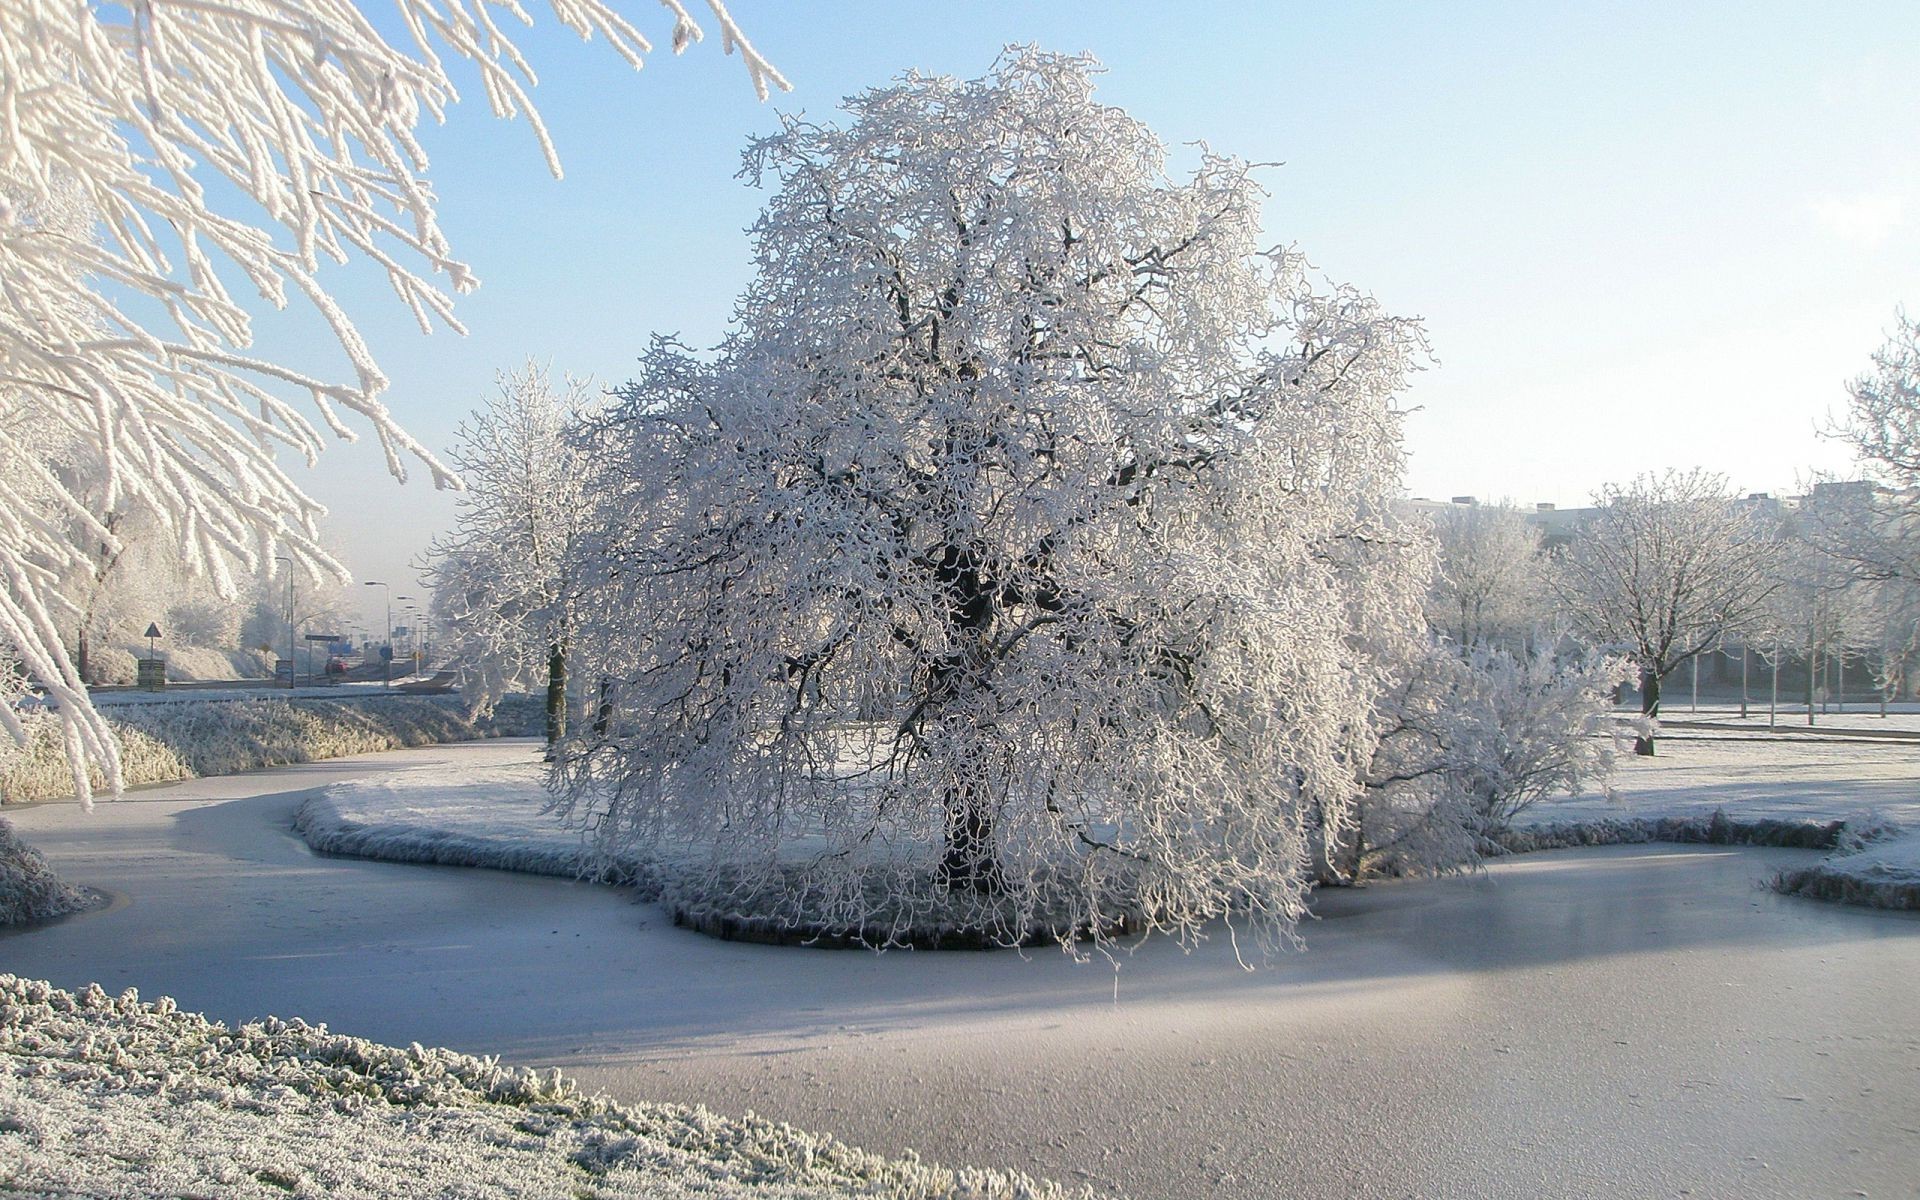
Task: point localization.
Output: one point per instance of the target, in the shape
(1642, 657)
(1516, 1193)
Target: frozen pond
(1638, 1021)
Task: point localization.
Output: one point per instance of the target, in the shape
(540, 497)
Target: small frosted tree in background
(1664, 570)
(149, 155)
(503, 579)
(1883, 412)
(1023, 561)
(1490, 586)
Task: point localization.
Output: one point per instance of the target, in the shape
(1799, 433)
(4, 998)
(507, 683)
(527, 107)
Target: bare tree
(502, 579)
(1668, 566)
(1491, 582)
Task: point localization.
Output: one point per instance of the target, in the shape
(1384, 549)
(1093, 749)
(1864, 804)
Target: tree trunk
(1812, 656)
(970, 861)
(1649, 708)
(80, 658)
(556, 694)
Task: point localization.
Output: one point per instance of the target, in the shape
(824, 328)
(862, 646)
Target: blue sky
(1641, 235)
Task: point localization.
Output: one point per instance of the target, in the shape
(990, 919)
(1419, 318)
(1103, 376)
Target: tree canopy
(1026, 556)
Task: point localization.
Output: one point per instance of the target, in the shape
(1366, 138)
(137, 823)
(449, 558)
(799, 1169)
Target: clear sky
(1641, 235)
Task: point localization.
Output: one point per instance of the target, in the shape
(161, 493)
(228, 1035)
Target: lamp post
(406, 609)
(284, 559)
(386, 657)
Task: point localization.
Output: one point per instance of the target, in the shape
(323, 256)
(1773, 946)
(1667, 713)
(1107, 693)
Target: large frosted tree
(151, 156)
(1024, 561)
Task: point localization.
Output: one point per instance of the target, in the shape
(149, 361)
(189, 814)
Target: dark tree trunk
(970, 861)
(80, 658)
(603, 714)
(556, 694)
(1812, 654)
(1649, 708)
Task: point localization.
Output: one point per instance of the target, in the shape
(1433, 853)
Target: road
(1627, 1022)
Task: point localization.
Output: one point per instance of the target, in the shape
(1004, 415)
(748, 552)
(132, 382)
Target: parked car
(336, 665)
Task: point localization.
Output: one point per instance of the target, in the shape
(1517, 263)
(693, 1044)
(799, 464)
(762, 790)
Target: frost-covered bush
(111, 666)
(190, 739)
(104, 1095)
(29, 890)
(1005, 570)
(1467, 744)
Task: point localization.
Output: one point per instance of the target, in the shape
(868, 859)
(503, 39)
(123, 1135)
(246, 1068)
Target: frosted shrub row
(160, 743)
(306, 1111)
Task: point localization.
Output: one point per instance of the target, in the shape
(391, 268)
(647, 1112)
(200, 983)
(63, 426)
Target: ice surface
(1629, 1021)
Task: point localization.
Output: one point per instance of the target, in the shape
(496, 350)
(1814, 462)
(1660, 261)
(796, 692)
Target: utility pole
(1773, 705)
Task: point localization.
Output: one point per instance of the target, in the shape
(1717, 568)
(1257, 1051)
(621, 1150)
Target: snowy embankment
(493, 815)
(161, 743)
(1859, 800)
(105, 1096)
(1875, 862)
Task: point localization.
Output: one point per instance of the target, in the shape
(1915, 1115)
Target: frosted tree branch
(155, 154)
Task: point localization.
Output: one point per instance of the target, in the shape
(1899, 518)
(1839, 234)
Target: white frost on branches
(1024, 559)
(502, 580)
(1491, 583)
(1469, 742)
(1668, 566)
(150, 154)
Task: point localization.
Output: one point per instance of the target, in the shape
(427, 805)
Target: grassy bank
(161, 743)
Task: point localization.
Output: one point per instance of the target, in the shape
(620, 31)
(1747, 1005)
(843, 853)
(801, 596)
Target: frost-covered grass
(1846, 796)
(109, 1096)
(1875, 862)
(492, 816)
(1855, 798)
(29, 890)
(160, 743)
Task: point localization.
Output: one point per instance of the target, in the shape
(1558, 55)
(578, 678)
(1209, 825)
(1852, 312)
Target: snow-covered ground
(1626, 1021)
(106, 1096)
(492, 815)
(1872, 785)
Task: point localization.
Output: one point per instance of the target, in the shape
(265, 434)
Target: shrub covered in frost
(104, 1095)
(29, 890)
(187, 740)
(1717, 829)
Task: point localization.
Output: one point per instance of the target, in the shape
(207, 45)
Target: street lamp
(283, 558)
(405, 608)
(386, 657)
